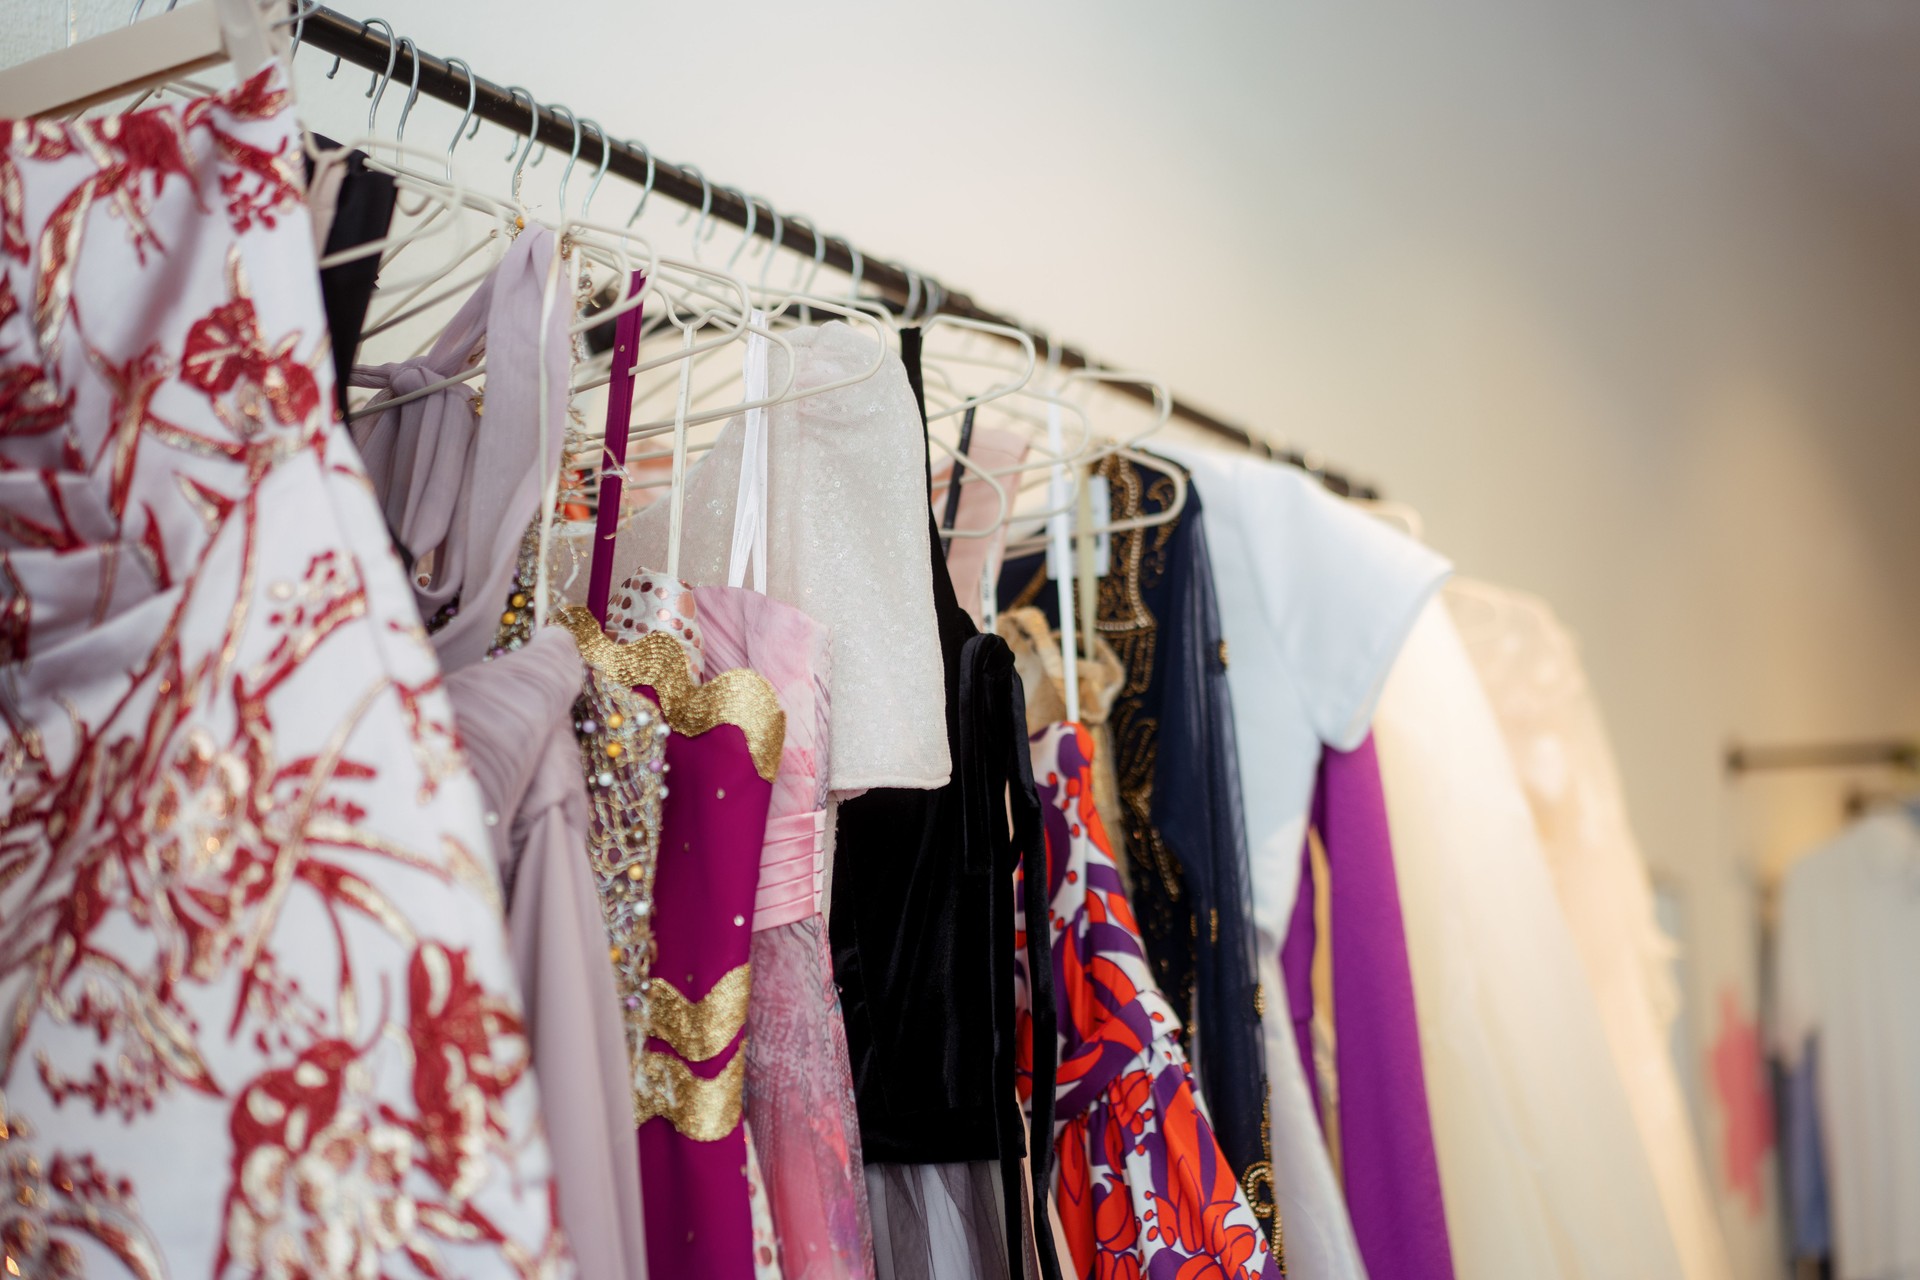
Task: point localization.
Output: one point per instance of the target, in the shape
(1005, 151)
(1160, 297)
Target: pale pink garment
(514, 718)
(800, 1103)
(972, 561)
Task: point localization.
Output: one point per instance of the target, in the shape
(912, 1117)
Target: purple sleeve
(1391, 1173)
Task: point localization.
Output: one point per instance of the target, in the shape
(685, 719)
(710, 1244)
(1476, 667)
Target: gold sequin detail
(698, 1030)
(1257, 1183)
(739, 697)
(701, 1109)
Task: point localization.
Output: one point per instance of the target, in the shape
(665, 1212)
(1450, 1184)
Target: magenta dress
(723, 751)
(800, 1103)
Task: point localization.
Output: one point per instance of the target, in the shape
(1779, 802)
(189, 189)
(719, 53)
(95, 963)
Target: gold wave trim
(701, 1109)
(740, 697)
(699, 1029)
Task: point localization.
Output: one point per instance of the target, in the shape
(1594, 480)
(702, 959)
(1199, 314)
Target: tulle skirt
(938, 1221)
(800, 1107)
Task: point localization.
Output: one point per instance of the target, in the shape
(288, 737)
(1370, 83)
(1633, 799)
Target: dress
(799, 1084)
(1143, 1187)
(1315, 599)
(923, 949)
(359, 212)
(261, 1016)
(1531, 670)
(515, 718)
(1351, 993)
(1846, 949)
(800, 1105)
(437, 475)
(1181, 834)
(722, 755)
(1541, 1162)
(456, 495)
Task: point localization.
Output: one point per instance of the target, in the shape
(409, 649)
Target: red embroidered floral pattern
(256, 1016)
(1143, 1190)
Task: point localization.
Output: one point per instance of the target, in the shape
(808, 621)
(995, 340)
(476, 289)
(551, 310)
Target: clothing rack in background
(1895, 753)
(895, 286)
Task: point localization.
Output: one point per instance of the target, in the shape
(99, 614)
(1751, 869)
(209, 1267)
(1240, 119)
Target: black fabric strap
(1030, 846)
(952, 513)
(992, 749)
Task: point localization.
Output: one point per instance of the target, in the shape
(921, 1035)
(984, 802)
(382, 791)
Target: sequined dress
(721, 756)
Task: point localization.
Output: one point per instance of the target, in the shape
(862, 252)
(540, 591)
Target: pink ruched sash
(792, 869)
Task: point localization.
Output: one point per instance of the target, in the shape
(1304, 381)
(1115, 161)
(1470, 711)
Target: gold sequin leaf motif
(702, 1109)
(739, 697)
(700, 1029)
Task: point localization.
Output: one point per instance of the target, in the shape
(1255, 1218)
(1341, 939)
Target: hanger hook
(301, 9)
(519, 152)
(706, 206)
(913, 296)
(377, 86)
(859, 270)
(473, 95)
(819, 253)
(773, 241)
(332, 71)
(753, 218)
(936, 296)
(646, 190)
(413, 89)
(573, 157)
(606, 158)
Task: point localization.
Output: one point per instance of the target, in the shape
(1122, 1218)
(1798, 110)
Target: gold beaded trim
(1257, 1183)
(740, 697)
(699, 1029)
(702, 1109)
(623, 742)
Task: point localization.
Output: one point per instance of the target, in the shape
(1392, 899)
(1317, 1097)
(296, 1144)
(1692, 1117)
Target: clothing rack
(1896, 753)
(894, 285)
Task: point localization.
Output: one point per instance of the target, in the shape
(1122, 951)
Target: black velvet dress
(923, 937)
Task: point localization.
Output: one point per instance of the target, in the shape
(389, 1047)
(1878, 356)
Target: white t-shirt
(1847, 963)
(1315, 599)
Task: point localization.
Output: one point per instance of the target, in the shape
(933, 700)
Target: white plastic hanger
(1057, 535)
(612, 246)
(175, 44)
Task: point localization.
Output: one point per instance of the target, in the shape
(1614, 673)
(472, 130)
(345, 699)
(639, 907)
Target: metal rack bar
(1897, 753)
(332, 32)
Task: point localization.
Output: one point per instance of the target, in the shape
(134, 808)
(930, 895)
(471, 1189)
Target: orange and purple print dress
(1142, 1189)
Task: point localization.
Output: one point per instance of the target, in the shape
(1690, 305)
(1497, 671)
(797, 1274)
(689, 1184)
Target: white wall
(1556, 274)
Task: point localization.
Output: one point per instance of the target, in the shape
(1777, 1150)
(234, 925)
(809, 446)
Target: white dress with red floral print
(256, 1011)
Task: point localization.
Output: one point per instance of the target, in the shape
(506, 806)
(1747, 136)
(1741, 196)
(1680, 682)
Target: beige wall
(1558, 275)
